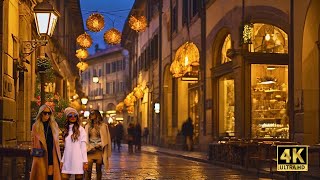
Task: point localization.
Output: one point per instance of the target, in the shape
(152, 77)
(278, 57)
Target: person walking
(98, 144)
(130, 137)
(45, 146)
(137, 137)
(74, 160)
(187, 131)
(145, 134)
(119, 134)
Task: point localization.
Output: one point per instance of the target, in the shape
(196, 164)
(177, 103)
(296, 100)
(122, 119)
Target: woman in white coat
(74, 160)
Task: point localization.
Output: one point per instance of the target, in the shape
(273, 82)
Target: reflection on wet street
(156, 166)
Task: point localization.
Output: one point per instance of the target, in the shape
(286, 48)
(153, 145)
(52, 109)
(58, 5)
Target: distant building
(111, 67)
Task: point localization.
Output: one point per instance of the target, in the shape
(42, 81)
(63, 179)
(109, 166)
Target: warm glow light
(82, 66)
(271, 68)
(46, 18)
(267, 37)
(84, 100)
(112, 36)
(111, 112)
(95, 22)
(119, 119)
(82, 53)
(138, 24)
(84, 40)
(130, 109)
(247, 33)
(120, 107)
(186, 57)
(95, 79)
(138, 92)
(157, 107)
(86, 114)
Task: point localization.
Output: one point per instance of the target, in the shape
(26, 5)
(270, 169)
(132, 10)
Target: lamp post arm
(28, 47)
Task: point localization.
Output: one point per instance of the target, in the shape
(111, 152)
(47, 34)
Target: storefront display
(269, 98)
(226, 106)
(194, 112)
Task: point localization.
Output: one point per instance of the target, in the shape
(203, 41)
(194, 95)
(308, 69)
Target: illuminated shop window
(269, 97)
(268, 39)
(226, 45)
(226, 105)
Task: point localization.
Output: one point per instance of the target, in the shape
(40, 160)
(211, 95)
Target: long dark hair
(75, 130)
(98, 116)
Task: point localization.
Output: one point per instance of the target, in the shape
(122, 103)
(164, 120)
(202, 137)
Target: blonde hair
(38, 125)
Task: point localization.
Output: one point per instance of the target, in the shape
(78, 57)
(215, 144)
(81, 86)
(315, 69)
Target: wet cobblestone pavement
(143, 166)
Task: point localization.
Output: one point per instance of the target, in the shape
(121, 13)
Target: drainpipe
(203, 61)
(160, 67)
(291, 72)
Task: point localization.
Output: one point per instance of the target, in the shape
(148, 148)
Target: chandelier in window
(188, 54)
(84, 40)
(112, 36)
(82, 66)
(186, 57)
(82, 53)
(95, 22)
(176, 69)
(138, 23)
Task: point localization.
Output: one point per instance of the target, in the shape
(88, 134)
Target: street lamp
(95, 79)
(46, 18)
(84, 100)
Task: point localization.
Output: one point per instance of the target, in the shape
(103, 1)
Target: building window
(269, 98)
(174, 19)
(226, 45)
(124, 64)
(226, 105)
(268, 39)
(113, 67)
(194, 7)
(108, 71)
(185, 12)
(109, 88)
(119, 65)
(100, 72)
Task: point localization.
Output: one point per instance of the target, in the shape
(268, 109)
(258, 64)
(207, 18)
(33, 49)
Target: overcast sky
(112, 10)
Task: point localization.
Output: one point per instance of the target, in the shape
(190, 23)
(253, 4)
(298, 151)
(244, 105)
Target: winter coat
(105, 143)
(39, 169)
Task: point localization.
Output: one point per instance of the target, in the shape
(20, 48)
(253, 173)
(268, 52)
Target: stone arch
(310, 76)
(261, 14)
(167, 102)
(217, 45)
(111, 106)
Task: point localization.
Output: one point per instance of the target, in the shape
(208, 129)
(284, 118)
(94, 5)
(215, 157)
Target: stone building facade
(18, 71)
(265, 90)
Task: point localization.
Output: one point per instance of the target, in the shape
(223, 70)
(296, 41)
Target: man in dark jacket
(187, 131)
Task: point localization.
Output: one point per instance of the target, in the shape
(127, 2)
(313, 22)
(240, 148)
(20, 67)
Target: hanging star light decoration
(82, 66)
(138, 24)
(82, 53)
(95, 22)
(112, 36)
(84, 40)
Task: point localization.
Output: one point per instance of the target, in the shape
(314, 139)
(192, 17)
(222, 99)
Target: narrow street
(147, 165)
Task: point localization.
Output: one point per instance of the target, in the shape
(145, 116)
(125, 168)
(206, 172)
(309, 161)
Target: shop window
(194, 111)
(226, 106)
(268, 39)
(226, 45)
(269, 97)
